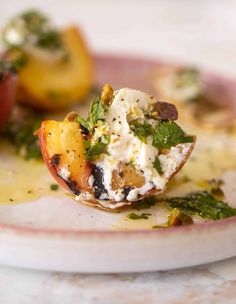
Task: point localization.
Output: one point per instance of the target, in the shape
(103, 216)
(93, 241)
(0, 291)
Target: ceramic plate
(51, 231)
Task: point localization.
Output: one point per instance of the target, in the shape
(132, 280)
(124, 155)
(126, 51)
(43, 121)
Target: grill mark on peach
(55, 160)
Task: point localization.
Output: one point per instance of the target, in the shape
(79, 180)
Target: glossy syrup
(23, 180)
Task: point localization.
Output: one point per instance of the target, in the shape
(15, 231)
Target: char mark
(98, 185)
(73, 186)
(56, 160)
(126, 191)
(84, 131)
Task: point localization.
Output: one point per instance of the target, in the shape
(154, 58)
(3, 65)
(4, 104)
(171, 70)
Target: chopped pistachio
(178, 218)
(107, 94)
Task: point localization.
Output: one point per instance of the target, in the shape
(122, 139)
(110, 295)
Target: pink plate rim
(23, 230)
(16, 229)
(144, 59)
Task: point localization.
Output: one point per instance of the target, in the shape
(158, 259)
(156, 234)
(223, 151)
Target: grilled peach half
(55, 85)
(63, 152)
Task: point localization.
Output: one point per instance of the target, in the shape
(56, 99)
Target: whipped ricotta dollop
(124, 146)
(183, 85)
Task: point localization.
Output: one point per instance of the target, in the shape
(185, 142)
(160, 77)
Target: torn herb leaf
(92, 152)
(83, 122)
(50, 40)
(203, 204)
(54, 187)
(96, 111)
(142, 131)
(143, 216)
(21, 135)
(145, 203)
(157, 165)
(169, 134)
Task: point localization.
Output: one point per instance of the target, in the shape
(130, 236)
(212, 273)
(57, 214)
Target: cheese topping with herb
(124, 146)
(34, 33)
(135, 145)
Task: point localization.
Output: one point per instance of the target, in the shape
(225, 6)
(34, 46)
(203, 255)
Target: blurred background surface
(202, 32)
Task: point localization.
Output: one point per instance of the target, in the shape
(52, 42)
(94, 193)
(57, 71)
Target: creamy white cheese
(125, 147)
(14, 37)
(64, 173)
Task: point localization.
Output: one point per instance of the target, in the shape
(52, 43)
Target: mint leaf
(143, 216)
(83, 122)
(145, 203)
(20, 132)
(203, 204)
(142, 131)
(96, 111)
(50, 40)
(157, 165)
(54, 187)
(169, 134)
(92, 152)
